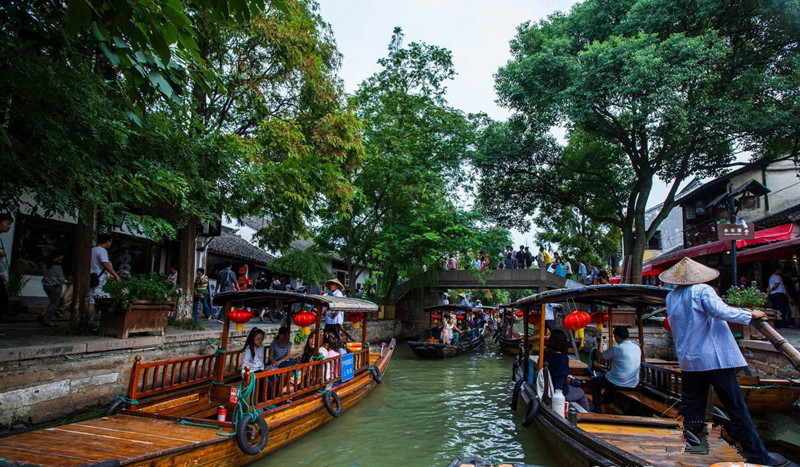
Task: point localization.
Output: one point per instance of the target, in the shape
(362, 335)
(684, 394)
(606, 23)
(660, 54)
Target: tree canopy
(646, 88)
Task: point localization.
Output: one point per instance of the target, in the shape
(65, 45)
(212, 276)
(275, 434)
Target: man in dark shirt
(226, 282)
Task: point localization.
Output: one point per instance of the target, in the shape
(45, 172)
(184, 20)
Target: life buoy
(515, 394)
(530, 412)
(376, 374)
(327, 396)
(114, 407)
(242, 438)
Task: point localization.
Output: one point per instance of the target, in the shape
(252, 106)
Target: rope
(220, 351)
(206, 425)
(670, 407)
(128, 401)
(245, 399)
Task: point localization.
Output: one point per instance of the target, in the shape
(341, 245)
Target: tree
(653, 88)
(402, 215)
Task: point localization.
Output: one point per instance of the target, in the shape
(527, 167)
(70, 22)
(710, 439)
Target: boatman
(708, 355)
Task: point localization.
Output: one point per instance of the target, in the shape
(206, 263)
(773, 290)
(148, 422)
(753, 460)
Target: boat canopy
(439, 308)
(607, 294)
(259, 298)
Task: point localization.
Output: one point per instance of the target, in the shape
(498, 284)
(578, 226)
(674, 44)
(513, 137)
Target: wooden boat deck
(662, 445)
(126, 438)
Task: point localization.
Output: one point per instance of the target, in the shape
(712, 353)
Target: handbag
(94, 279)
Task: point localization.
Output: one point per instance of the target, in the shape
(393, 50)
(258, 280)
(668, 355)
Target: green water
(425, 413)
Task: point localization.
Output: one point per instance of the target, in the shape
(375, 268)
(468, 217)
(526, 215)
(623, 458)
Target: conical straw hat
(334, 281)
(688, 272)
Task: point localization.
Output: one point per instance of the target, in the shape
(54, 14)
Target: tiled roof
(238, 248)
(786, 216)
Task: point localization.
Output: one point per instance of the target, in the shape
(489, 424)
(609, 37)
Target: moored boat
(430, 345)
(645, 429)
(202, 411)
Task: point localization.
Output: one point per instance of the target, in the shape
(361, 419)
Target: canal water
(426, 413)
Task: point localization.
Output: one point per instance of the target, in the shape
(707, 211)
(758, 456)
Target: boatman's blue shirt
(702, 337)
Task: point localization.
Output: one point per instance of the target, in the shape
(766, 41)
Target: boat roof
(258, 298)
(437, 308)
(607, 294)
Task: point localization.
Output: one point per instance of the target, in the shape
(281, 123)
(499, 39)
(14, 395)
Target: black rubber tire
(514, 368)
(530, 412)
(328, 398)
(114, 408)
(376, 375)
(515, 394)
(241, 434)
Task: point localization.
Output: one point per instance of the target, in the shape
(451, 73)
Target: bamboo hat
(688, 272)
(462, 295)
(334, 281)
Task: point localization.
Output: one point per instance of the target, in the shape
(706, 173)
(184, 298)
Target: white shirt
(255, 362)
(568, 267)
(626, 358)
(336, 293)
(99, 256)
(549, 311)
(777, 279)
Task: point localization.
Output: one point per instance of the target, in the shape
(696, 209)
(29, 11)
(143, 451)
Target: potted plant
(17, 280)
(138, 304)
(747, 297)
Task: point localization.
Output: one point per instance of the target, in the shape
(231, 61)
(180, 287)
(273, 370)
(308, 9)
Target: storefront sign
(736, 231)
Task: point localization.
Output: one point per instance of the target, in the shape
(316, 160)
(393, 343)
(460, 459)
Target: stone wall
(42, 383)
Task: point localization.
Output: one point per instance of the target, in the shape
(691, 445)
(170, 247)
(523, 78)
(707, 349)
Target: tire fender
(530, 412)
(515, 394)
(376, 374)
(241, 434)
(328, 399)
(114, 407)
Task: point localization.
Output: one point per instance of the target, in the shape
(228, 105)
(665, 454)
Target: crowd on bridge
(523, 258)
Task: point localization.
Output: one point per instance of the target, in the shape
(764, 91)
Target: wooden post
(223, 344)
(640, 324)
(82, 246)
(540, 363)
(364, 330)
(610, 326)
(525, 353)
(133, 384)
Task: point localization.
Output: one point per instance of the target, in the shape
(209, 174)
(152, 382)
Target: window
(36, 237)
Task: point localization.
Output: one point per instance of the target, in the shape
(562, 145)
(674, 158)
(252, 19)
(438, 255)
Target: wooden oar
(781, 344)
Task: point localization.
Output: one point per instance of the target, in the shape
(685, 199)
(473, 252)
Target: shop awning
(778, 250)
(660, 263)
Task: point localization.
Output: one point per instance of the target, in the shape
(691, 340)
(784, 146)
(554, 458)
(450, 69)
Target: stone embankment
(47, 377)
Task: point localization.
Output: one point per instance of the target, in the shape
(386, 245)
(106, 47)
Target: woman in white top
(253, 351)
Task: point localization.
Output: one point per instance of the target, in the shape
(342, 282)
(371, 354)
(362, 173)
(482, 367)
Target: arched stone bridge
(415, 296)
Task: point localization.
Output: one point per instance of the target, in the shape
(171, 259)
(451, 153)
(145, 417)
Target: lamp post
(732, 207)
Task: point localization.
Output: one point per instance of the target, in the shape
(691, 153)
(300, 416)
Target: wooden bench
(657, 407)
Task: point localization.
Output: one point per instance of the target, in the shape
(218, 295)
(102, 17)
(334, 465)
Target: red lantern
(599, 317)
(534, 318)
(305, 319)
(459, 317)
(240, 316)
(435, 316)
(518, 314)
(355, 318)
(576, 320)
(666, 324)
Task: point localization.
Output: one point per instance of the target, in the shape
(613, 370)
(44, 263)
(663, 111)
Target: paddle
(781, 344)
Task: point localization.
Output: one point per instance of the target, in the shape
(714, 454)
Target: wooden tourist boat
(508, 339)
(429, 344)
(173, 415)
(643, 431)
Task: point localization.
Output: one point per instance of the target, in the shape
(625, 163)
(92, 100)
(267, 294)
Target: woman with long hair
(253, 352)
(555, 355)
(53, 281)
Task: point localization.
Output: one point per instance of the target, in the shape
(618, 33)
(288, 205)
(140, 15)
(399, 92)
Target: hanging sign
(348, 367)
(736, 231)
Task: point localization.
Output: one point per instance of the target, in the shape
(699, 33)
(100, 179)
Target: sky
(477, 32)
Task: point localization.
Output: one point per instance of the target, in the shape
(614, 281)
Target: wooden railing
(233, 363)
(148, 379)
(661, 378)
(282, 384)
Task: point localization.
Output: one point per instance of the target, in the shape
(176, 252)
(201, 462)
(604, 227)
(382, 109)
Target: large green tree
(649, 88)
(403, 215)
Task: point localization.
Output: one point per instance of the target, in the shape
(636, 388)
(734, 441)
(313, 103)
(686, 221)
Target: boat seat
(657, 407)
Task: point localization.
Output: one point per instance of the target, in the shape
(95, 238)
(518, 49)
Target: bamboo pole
(779, 342)
(543, 311)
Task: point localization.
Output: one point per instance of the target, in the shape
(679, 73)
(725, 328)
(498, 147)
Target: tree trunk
(637, 254)
(82, 248)
(186, 269)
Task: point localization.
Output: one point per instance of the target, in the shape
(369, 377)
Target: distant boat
(430, 345)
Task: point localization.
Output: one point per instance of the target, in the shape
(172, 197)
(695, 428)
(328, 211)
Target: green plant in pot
(745, 297)
(152, 287)
(17, 280)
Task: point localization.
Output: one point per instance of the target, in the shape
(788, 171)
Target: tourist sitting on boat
(625, 357)
(557, 362)
(550, 316)
(708, 355)
(253, 352)
(280, 349)
(329, 349)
